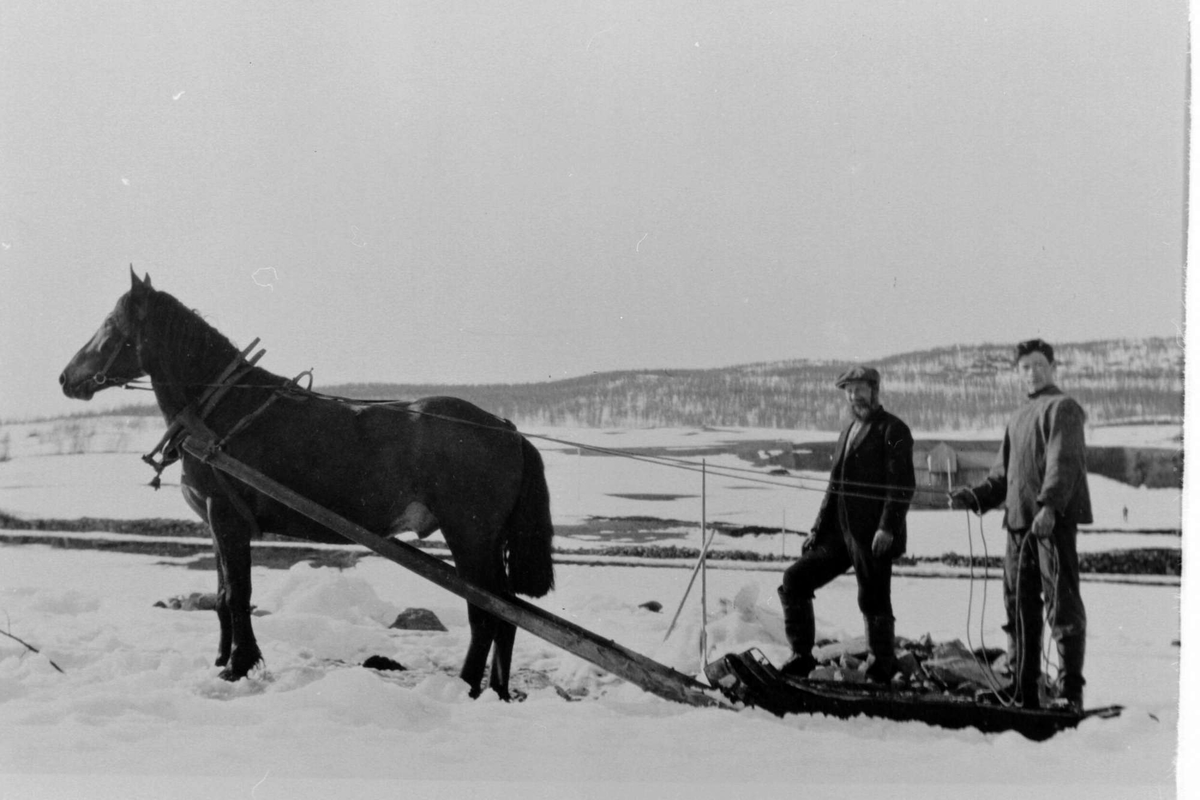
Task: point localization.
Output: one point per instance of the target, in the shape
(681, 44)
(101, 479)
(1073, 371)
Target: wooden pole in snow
(703, 564)
(692, 580)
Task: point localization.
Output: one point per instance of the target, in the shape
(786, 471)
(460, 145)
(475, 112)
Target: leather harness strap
(101, 377)
(189, 423)
(168, 446)
(194, 427)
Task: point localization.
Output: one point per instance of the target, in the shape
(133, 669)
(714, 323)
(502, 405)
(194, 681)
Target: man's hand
(810, 542)
(963, 498)
(882, 543)
(1043, 523)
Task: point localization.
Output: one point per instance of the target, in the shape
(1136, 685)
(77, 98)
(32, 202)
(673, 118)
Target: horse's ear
(139, 283)
(138, 293)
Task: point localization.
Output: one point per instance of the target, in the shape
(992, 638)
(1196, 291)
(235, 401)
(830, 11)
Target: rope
(1020, 621)
(729, 472)
(691, 465)
(1049, 607)
(984, 665)
(669, 461)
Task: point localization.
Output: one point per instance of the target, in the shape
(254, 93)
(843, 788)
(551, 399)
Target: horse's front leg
(239, 651)
(199, 503)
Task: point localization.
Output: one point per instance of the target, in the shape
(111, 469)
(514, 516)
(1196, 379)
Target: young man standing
(861, 524)
(1040, 477)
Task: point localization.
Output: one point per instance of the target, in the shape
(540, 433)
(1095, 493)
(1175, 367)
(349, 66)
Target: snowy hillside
(960, 388)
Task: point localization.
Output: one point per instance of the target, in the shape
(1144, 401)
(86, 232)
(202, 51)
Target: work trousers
(1043, 571)
(822, 564)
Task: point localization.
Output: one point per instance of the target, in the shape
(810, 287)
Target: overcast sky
(521, 191)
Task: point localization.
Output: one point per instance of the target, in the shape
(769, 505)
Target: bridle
(101, 377)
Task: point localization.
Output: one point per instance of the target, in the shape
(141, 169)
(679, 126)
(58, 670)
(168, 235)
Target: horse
(429, 464)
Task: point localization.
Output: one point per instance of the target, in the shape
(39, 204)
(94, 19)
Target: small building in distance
(939, 466)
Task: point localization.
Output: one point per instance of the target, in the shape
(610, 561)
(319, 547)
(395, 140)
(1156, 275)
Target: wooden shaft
(655, 678)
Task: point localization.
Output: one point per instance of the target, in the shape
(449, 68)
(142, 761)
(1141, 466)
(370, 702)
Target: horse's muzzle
(83, 389)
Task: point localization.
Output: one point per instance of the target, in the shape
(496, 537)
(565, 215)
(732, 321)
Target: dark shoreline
(1145, 561)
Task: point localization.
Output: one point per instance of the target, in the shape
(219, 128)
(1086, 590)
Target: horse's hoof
(512, 696)
(239, 668)
(221, 661)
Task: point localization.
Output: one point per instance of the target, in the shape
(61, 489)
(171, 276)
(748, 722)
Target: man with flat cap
(860, 524)
(1040, 478)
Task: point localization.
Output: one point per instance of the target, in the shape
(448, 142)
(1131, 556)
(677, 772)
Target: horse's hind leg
(506, 634)
(482, 634)
(239, 651)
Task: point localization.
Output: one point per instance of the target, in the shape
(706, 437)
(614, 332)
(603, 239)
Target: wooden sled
(751, 679)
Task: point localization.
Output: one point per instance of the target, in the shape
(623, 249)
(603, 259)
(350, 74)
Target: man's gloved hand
(810, 542)
(963, 498)
(1043, 523)
(881, 545)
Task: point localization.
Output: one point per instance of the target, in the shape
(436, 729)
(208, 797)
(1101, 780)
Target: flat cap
(868, 374)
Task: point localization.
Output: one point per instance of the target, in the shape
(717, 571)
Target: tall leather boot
(1070, 677)
(881, 641)
(1014, 653)
(800, 627)
(1027, 668)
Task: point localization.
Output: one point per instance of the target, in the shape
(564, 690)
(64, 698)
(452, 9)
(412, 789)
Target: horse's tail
(528, 530)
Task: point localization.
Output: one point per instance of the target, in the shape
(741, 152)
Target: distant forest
(968, 387)
(952, 388)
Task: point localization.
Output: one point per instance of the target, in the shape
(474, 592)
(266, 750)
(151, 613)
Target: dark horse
(435, 463)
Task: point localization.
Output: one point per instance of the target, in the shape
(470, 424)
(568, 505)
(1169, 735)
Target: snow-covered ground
(140, 701)
(139, 711)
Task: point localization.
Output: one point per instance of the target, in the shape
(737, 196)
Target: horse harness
(190, 423)
(186, 420)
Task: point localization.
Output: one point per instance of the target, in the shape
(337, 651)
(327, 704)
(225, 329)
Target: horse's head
(110, 358)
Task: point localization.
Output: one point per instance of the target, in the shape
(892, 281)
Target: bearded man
(861, 524)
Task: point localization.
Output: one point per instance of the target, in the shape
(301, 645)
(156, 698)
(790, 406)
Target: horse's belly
(416, 517)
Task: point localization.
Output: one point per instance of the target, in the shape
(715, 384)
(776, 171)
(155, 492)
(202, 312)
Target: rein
(193, 415)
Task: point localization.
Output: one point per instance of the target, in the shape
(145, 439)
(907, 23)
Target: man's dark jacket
(870, 485)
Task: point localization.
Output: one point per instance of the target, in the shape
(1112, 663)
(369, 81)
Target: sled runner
(750, 678)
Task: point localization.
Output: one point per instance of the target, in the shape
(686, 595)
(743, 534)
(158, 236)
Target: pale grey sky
(520, 191)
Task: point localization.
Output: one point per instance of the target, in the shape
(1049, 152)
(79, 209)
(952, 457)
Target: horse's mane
(193, 341)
